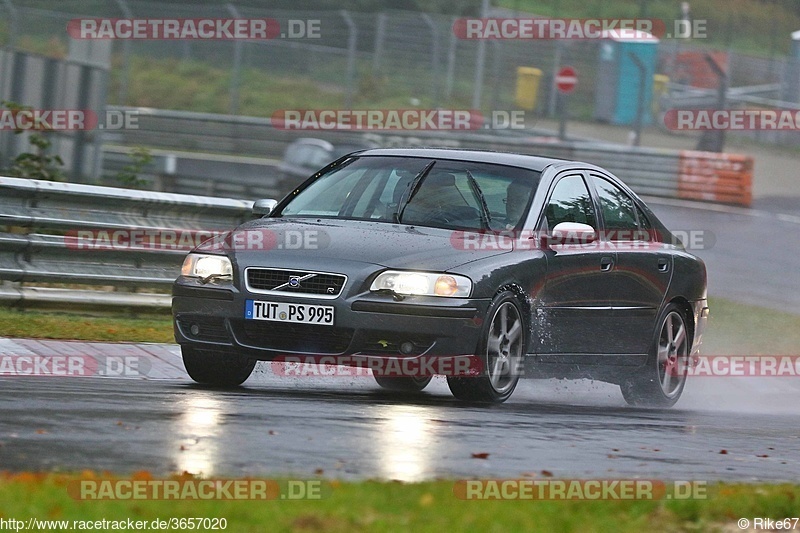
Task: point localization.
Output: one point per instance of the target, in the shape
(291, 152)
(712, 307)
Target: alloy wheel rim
(673, 354)
(504, 348)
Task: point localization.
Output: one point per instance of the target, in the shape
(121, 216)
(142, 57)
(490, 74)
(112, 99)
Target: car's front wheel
(404, 384)
(662, 380)
(502, 349)
(216, 369)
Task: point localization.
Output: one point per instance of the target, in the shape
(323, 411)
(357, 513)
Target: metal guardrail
(40, 241)
(649, 171)
(218, 175)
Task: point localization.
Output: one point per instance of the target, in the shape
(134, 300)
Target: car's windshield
(450, 194)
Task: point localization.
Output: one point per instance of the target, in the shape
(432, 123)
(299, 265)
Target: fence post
(352, 40)
(236, 69)
(12, 26)
(122, 91)
(480, 62)
(451, 62)
(380, 35)
(714, 141)
(637, 139)
(553, 100)
(434, 58)
(497, 59)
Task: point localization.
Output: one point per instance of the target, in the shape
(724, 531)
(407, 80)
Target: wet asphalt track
(346, 427)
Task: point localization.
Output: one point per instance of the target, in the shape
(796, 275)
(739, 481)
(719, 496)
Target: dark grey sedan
(530, 266)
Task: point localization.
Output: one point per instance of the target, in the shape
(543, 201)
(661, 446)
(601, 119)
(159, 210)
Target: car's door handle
(606, 263)
(663, 265)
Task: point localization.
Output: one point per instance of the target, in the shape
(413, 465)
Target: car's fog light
(407, 347)
(195, 330)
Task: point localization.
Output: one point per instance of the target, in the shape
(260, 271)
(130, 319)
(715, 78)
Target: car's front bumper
(368, 324)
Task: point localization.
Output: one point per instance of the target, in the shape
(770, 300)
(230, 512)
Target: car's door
(639, 281)
(572, 313)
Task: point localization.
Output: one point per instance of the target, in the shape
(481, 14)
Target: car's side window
(570, 202)
(619, 210)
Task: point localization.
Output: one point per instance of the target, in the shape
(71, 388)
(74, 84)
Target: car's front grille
(295, 282)
(306, 338)
(204, 328)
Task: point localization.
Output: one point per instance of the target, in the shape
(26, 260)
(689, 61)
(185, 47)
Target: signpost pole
(566, 80)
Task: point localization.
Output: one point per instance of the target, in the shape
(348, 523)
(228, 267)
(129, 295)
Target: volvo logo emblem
(294, 281)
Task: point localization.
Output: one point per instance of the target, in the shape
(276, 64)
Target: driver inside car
(516, 198)
(438, 199)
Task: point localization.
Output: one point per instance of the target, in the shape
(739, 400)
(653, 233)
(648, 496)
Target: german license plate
(289, 312)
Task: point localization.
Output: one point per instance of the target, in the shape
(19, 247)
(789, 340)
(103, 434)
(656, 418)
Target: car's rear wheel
(216, 369)
(501, 350)
(661, 382)
(404, 384)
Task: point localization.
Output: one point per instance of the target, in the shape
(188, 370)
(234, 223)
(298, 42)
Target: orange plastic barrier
(708, 176)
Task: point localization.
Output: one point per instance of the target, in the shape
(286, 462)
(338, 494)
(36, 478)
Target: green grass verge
(431, 506)
(741, 329)
(70, 325)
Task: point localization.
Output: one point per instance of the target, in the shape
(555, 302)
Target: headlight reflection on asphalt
(405, 439)
(197, 431)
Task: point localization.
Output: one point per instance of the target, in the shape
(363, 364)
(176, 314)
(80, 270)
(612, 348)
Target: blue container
(618, 79)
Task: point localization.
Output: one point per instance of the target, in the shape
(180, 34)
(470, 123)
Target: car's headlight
(424, 283)
(207, 267)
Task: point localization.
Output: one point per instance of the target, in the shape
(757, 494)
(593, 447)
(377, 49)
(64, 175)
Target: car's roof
(530, 162)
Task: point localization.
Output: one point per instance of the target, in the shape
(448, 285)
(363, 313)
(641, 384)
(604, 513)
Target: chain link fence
(390, 59)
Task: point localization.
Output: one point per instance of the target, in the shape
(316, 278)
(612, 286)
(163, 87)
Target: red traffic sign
(566, 79)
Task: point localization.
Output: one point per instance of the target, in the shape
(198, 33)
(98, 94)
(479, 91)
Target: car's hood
(296, 242)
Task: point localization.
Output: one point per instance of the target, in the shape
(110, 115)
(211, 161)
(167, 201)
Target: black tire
(496, 385)
(216, 369)
(661, 381)
(403, 384)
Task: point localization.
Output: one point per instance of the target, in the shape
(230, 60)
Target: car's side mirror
(569, 233)
(264, 207)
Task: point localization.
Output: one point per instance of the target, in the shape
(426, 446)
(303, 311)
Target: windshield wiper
(486, 216)
(412, 190)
